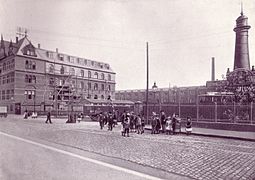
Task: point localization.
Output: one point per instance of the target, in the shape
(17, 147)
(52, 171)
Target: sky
(183, 35)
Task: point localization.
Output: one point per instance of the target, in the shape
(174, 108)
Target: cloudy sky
(183, 35)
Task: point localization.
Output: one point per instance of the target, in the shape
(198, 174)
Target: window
(102, 87)
(61, 82)
(8, 65)
(95, 86)
(89, 74)
(82, 73)
(4, 66)
(7, 94)
(7, 79)
(102, 96)
(82, 85)
(30, 64)
(12, 77)
(3, 95)
(72, 71)
(27, 64)
(33, 65)
(95, 97)
(109, 77)
(30, 79)
(85, 61)
(51, 81)
(102, 76)
(50, 55)
(92, 63)
(62, 70)
(30, 94)
(51, 68)
(89, 86)
(4, 79)
(96, 75)
(33, 79)
(61, 57)
(109, 87)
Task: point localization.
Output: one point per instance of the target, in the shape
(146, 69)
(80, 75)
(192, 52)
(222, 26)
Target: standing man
(163, 121)
(101, 120)
(110, 121)
(48, 118)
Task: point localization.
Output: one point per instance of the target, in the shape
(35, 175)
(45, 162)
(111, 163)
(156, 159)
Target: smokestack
(39, 46)
(213, 70)
(17, 39)
(56, 50)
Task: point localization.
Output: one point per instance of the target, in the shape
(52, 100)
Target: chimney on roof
(17, 39)
(56, 50)
(39, 46)
(213, 70)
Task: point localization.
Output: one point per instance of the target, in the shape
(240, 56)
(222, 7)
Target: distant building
(174, 95)
(32, 78)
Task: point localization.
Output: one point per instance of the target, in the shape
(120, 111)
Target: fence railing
(231, 113)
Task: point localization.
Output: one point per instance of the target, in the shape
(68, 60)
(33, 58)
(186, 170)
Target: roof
(43, 54)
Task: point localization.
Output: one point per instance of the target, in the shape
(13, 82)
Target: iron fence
(231, 113)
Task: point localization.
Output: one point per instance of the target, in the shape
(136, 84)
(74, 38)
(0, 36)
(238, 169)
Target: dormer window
(106, 66)
(61, 57)
(29, 50)
(49, 55)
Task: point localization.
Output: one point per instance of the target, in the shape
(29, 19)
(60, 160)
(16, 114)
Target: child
(168, 125)
(188, 126)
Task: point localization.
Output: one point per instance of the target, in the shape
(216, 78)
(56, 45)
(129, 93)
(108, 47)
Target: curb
(215, 135)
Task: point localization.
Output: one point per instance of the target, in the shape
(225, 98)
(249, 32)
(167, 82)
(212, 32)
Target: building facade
(34, 79)
(174, 95)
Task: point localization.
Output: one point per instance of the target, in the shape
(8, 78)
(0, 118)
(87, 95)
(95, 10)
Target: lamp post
(154, 89)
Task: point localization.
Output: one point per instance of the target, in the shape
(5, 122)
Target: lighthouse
(241, 46)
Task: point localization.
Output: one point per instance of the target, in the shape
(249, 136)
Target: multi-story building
(33, 79)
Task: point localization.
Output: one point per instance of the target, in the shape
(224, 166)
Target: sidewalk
(248, 136)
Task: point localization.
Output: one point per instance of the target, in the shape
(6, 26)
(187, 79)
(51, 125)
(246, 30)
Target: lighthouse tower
(241, 47)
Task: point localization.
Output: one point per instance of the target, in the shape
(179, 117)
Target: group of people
(130, 122)
(168, 125)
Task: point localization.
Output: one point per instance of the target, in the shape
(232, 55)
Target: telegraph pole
(147, 81)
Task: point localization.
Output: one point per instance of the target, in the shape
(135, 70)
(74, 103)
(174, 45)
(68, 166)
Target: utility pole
(147, 81)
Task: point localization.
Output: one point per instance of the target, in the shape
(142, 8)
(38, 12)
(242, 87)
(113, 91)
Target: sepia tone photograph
(127, 90)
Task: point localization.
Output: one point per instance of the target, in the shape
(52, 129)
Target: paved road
(192, 157)
(28, 160)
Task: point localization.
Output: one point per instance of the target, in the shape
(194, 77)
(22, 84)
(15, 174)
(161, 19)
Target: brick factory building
(31, 78)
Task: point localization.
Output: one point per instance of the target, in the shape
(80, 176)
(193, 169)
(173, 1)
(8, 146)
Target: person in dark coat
(188, 126)
(163, 121)
(126, 125)
(110, 121)
(174, 120)
(48, 118)
(101, 120)
(153, 123)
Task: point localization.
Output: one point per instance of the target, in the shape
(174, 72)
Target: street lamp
(154, 89)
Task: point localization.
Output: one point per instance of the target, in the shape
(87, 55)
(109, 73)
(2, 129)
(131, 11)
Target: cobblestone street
(192, 156)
